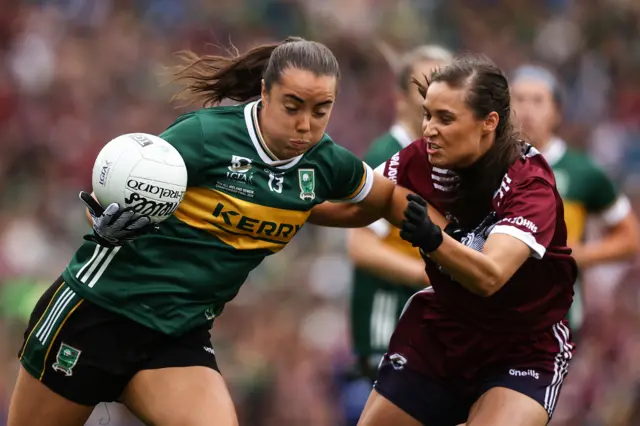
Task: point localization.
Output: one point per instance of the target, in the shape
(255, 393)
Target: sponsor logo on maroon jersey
(521, 221)
(392, 169)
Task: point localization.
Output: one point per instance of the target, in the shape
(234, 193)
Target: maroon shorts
(436, 369)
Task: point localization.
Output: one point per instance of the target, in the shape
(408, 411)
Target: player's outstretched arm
(482, 273)
(620, 241)
(367, 251)
(385, 200)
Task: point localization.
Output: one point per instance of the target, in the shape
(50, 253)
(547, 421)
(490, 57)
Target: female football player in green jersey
(129, 318)
(584, 187)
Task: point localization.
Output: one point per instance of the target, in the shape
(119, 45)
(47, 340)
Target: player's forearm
(342, 215)
(369, 253)
(394, 211)
(609, 249)
(619, 243)
(475, 271)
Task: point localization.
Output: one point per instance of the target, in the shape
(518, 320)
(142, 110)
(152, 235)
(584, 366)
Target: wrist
(433, 241)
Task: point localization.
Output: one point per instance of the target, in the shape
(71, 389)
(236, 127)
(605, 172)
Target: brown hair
(487, 90)
(407, 62)
(209, 79)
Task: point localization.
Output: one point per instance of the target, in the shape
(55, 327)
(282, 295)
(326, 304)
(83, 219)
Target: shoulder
(381, 150)
(531, 166)
(234, 113)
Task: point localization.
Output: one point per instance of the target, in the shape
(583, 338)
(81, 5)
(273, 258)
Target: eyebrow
(440, 111)
(299, 99)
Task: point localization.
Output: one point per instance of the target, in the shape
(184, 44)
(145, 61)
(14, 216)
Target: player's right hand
(417, 228)
(113, 225)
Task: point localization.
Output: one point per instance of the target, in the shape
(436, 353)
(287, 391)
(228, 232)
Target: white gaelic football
(140, 171)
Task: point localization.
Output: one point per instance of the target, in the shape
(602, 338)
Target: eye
(319, 114)
(290, 109)
(446, 120)
(427, 115)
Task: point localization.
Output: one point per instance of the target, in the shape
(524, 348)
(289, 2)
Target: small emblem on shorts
(209, 350)
(307, 180)
(524, 373)
(397, 361)
(210, 313)
(66, 359)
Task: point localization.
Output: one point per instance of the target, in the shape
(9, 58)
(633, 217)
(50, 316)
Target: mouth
(299, 144)
(432, 148)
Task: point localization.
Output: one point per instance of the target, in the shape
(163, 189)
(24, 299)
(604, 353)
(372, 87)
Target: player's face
(455, 137)
(411, 101)
(534, 109)
(296, 111)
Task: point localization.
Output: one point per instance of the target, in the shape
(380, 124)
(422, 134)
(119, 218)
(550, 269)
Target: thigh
(402, 393)
(180, 396)
(379, 411)
(69, 347)
(535, 379)
(33, 404)
(506, 407)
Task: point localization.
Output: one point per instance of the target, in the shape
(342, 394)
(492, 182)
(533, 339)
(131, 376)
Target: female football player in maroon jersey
(487, 344)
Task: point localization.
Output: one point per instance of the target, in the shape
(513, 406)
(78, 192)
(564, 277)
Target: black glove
(417, 228)
(114, 226)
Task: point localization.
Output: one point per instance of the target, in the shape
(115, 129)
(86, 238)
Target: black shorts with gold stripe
(88, 354)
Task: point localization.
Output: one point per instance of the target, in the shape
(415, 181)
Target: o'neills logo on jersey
(392, 168)
(231, 220)
(147, 207)
(524, 373)
(158, 191)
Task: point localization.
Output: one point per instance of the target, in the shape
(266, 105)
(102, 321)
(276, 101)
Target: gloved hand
(417, 227)
(113, 226)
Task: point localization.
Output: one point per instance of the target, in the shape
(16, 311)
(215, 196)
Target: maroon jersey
(527, 206)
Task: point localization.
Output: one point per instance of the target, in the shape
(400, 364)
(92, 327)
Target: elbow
(630, 236)
(633, 243)
(489, 284)
(354, 247)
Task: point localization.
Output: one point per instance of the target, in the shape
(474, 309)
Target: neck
(267, 139)
(543, 143)
(413, 130)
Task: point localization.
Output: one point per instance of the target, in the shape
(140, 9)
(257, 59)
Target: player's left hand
(113, 225)
(417, 228)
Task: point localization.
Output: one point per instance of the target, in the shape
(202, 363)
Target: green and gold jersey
(376, 303)
(585, 189)
(586, 192)
(241, 205)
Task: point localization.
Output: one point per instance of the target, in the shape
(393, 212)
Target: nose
(428, 129)
(303, 123)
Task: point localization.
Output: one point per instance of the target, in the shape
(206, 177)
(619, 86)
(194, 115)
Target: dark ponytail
(210, 79)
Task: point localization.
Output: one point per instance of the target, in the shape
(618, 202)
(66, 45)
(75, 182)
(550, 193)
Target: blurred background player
(387, 269)
(584, 187)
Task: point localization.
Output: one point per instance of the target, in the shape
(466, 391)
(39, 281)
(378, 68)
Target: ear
(491, 122)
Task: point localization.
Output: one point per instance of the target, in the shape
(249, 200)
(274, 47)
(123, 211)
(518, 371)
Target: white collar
(555, 150)
(401, 134)
(253, 127)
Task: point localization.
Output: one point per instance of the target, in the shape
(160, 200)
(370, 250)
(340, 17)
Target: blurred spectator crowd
(76, 73)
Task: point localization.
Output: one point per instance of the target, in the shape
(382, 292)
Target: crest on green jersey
(66, 359)
(307, 180)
